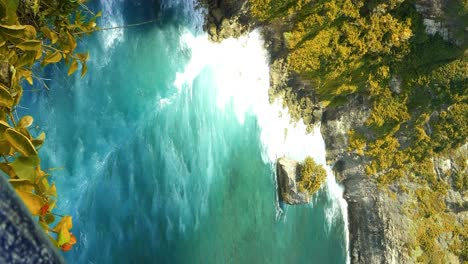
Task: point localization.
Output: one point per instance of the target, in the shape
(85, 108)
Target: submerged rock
(288, 173)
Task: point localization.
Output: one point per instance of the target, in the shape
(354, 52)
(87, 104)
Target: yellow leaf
(83, 57)
(7, 169)
(25, 121)
(53, 58)
(6, 99)
(84, 69)
(65, 222)
(13, 27)
(52, 191)
(33, 45)
(37, 142)
(19, 94)
(52, 205)
(30, 32)
(19, 142)
(3, 126)
(50, 34)
(22, 185)
(32, 201)
(63, 236)
(41, 180)
(71, 42)
(73, 67)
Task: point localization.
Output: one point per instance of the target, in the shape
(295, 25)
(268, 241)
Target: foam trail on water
(241, 75)
(113, 18)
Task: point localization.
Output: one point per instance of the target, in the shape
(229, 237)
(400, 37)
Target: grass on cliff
(312, 176)
(417, 84)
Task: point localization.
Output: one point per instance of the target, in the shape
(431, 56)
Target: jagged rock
(395, 84)
(288, 173)
(379, 230)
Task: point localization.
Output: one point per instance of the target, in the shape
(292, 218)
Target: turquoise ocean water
(167, 149)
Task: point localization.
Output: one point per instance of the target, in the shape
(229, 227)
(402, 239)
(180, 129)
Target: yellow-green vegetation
(417, 84)
(36, 32)
(312, 176)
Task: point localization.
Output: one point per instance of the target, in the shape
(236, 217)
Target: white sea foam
(241, 73)
(112, 18)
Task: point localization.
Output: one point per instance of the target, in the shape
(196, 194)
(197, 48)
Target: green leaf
(73, 67)
(6, 100)
(10, 7)
(49, 218)
(25, 167)
(20, 143)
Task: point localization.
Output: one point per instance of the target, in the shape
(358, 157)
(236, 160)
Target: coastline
(373, 235)
(231, 19)
(380, 222)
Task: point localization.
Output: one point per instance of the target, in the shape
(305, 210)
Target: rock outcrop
(288, 173)
(379, 230)
(226, 18)
(439, 17)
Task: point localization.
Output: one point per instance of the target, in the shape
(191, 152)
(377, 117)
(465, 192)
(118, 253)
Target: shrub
(312, 176)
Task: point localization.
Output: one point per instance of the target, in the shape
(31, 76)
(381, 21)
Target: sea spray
(112, 18)
(241, 73)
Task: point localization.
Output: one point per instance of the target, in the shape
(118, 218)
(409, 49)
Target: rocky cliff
(288, 173)
(380, 229)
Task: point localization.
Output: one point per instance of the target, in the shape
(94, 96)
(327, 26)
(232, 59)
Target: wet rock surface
(288, 173)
